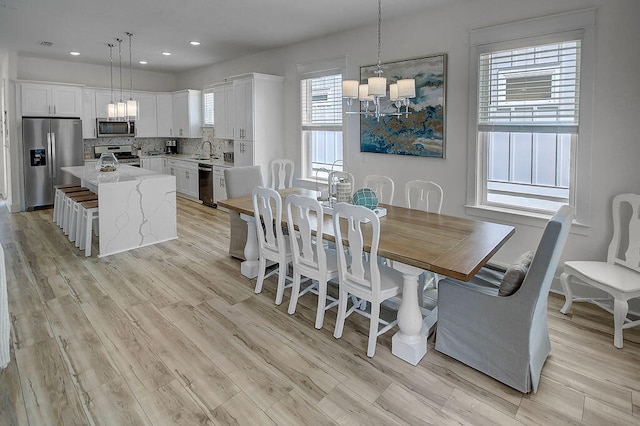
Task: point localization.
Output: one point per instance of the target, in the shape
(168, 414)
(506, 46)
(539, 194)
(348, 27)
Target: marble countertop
(124, 173)
(192, 158)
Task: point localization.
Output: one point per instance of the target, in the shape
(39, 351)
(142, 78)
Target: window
(527, 120)
(321, 109)
(207, 108)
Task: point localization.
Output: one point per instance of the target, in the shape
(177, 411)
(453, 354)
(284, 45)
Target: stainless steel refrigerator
(49, 143)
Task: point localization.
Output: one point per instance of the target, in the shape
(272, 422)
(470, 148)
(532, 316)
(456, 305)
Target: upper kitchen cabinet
(164, 114)
(223, 111)
(187, 118)
(103, 98)
(51, 100)
(89, 114)
(146, 123)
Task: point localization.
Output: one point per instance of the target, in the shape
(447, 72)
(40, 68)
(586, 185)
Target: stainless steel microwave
(113, 129)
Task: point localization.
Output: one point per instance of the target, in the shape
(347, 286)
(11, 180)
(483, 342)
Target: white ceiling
(226, 28)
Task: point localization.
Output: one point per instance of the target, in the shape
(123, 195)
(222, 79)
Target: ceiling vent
(46, 43)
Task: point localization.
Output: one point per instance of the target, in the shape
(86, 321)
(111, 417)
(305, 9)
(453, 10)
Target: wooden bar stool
(59, 195)
(75, 216)
(88, 212)
(68, 208)
(59, 212)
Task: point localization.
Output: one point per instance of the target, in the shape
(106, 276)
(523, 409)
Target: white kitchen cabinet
(187, 114)
(186, 173)
(219, 187)
(243, 154)
(103, 98)
(164, 114)
(89, 114)
(51, 100)
(258, 137)
(155, 164)
(243, 104)
(223, 111)
(146, 123)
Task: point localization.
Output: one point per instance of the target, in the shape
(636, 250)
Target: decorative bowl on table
(107, 163)
(365, 197)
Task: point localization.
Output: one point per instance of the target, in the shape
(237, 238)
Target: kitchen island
(137, 207)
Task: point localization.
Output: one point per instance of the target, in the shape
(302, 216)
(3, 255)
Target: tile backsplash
(185, 145)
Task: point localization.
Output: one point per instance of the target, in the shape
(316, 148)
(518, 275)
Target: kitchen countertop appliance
(205, 180)
(49, 143)
(123, 153)
(171, 147)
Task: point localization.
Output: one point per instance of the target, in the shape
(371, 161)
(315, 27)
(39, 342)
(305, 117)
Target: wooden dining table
(414, 241)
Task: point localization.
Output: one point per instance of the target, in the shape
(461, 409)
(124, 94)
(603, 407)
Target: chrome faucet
(210, 148)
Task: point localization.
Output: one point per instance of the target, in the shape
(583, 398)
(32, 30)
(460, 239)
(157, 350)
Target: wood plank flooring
(173, 334)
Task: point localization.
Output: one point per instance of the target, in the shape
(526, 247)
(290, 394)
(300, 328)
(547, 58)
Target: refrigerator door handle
(54, 168)
(49, 153)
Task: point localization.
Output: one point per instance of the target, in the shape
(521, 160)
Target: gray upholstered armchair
(505, 337)
(240, 182)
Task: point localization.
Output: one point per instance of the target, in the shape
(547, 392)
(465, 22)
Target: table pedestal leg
(249, 268)
(409, 344)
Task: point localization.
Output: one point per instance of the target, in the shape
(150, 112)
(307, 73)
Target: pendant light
(376, 88)
(111, 106)
(121, 105)
(132, 104)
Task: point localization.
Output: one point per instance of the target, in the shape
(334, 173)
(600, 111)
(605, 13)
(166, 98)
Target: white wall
(92, 75)
(616, 144)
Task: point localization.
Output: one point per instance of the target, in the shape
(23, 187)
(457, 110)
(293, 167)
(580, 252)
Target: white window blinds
(534, 87)
(207, 107)
(321, 102)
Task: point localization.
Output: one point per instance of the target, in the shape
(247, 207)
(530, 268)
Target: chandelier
(375, 89)
(121, 110)
(132, 104)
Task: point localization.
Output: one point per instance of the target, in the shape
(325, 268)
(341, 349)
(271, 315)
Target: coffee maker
(171, 147)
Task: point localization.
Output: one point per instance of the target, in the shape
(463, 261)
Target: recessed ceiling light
(194, 43)
(143, 62)
(166, 53)
(74, 53)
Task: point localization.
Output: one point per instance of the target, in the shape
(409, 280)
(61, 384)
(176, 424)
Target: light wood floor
(173, 334)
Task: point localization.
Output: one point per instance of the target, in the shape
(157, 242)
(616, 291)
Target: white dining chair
(426, 196)
(272, 244)
(360, 279)
(383, 186)
(619, 276)
(310, 258)
(282, 171)
(240, 182)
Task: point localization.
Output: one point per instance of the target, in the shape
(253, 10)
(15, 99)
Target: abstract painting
(422, 132)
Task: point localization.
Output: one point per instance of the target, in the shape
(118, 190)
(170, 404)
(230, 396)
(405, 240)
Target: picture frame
(421, 132)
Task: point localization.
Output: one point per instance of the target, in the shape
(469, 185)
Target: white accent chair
(282, 171)
(239, 182)
(361, 280)
(426, 196)
(310, 258)
(272, 244)
(383, 186)
(619, 276)
(505, 337)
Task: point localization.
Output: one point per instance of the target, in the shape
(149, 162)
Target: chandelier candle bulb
(377, 86)
(393, 92)
(350, 89)
(407, 88)
(363, 93)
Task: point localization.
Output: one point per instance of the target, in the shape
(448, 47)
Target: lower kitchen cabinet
(219, 187)
(186, 173)
(151, 163)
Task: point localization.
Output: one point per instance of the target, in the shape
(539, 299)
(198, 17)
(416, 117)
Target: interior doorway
(4, 139)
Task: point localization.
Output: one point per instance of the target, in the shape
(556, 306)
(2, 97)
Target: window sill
(519, 217)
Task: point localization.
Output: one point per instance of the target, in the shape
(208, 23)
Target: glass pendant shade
(407, 88)
(350, 89)
(132, 109)
(377, 86)
(112, 111)
(121, 109)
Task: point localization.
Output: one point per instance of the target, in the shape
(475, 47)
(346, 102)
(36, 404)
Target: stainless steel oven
(205, 179)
